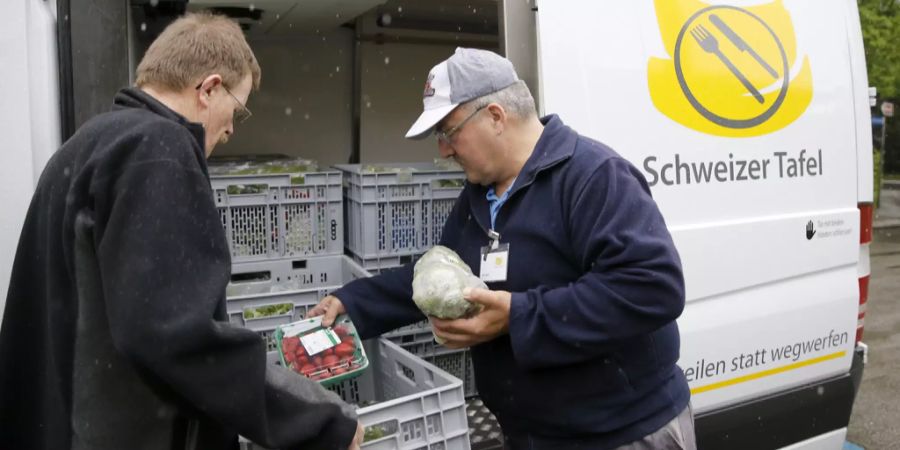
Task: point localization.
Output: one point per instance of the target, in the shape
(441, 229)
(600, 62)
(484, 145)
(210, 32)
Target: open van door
(747, 122)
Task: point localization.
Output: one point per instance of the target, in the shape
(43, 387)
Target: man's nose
(445, 149)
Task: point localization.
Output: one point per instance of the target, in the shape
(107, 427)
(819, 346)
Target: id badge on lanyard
(494, 259)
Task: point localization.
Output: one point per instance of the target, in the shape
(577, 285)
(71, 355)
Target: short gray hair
(516, 99)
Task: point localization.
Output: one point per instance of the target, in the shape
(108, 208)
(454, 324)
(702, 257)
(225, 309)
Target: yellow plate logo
(730, 71)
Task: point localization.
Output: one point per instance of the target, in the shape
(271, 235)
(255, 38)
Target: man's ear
(498, 117)
(206, 87)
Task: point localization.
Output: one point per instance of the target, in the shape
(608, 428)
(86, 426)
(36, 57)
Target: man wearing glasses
(576, 345)
(115, 334)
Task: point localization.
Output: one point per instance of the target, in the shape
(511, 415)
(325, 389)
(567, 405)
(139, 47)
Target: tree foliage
(880, 21)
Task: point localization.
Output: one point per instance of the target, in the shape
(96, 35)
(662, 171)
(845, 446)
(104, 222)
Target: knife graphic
(740, 43)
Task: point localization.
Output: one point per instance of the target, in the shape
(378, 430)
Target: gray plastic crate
(418, 340)
(417, 406)
(281, 215)
(300, 282)
(382, 263)
(397, 213)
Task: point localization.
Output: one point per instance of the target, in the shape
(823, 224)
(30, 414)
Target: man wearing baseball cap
(576, 343)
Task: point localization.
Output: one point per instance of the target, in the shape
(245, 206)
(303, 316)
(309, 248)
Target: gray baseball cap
(468, 74)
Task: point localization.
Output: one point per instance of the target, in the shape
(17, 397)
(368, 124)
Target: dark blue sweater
(589, 360)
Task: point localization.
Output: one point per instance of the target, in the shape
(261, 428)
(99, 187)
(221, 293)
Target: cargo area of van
(754, 137)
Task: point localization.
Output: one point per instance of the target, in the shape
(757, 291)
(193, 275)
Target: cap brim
(426, 122)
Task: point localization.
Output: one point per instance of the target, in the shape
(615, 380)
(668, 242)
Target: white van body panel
(755, 283)
(29, 120)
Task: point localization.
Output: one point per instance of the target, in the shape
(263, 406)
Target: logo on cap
(429, 91)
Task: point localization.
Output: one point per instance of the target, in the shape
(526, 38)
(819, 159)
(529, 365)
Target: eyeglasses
(242, 113)
(447, 136)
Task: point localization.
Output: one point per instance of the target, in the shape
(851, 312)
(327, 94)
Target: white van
(749, 119)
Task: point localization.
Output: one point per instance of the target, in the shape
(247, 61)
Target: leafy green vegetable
(243, 189)
(268, 311)
(438, 282)
(375, 168)
(450, 183)
(372, 433)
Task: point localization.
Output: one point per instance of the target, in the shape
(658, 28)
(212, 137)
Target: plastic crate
(281, 215)
(418, 340)
(397, 213)
(299, 282)
(380, 264)
(417, 406)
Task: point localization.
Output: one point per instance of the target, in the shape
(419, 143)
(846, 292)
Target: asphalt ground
(875, 423)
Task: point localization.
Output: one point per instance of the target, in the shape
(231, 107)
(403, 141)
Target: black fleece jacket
(115, 334)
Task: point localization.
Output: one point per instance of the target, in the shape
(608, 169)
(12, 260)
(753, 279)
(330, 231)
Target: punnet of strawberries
(319, 353)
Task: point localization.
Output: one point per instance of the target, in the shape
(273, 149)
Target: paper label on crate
(319, 341)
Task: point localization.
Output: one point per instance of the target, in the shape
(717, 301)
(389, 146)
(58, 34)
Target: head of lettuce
(439, 278)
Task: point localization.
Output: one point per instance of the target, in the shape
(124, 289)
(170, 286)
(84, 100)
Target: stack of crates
(404, 403)
(286, 236)
(396, 212)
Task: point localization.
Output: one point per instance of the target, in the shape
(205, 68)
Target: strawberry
(344, 349)
(342, 331)
(290, 344)
(307, 370)
(330, 360)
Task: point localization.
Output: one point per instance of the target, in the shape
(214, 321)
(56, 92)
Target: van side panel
(749, 145)
(29, 121)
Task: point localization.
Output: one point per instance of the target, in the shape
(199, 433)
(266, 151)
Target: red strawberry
(344, 349)
(330, 360)
(307, 370)
(290, 343)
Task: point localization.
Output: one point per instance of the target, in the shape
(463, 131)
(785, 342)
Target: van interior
(341, 79)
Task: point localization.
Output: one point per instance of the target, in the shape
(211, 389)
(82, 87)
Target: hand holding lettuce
(439, 278)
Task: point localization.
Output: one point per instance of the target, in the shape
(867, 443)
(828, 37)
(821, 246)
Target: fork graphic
(710, 44)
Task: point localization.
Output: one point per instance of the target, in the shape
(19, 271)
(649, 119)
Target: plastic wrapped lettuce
(439, 278)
